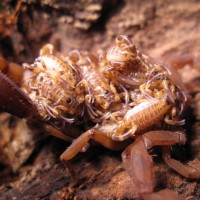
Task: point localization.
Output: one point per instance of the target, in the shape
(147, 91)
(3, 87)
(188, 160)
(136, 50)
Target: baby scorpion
(99, 92)
(124, 63)
(54, 87)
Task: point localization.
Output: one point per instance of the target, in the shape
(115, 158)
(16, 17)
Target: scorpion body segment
(147, 113)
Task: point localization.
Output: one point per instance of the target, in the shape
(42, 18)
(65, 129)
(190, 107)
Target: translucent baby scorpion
(141, 117)
(100, 93)
(53, 87)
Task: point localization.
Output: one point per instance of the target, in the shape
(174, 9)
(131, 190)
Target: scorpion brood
(126, 95)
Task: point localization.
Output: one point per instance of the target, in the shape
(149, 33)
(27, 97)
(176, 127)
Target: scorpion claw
(138, 162)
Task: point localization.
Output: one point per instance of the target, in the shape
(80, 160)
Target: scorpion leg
(138, 162)
(52, 131)
(46, 49)
(176, 78)
(82, 141)
(186, 171)
(113, 89)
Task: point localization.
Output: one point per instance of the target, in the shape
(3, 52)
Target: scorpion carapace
(121, 97)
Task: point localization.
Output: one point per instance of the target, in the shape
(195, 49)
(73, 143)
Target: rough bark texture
(162, 29)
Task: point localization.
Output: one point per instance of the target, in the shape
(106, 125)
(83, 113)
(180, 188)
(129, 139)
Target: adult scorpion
(133, 102)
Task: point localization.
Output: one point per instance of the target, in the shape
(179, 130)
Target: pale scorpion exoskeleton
(53, 87)
(59, 91)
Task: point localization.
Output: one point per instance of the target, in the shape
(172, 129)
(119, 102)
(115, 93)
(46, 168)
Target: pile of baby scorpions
(123, 98)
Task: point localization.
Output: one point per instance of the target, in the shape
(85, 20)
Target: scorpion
(133, 102)
(53, 87)
(99, 92)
